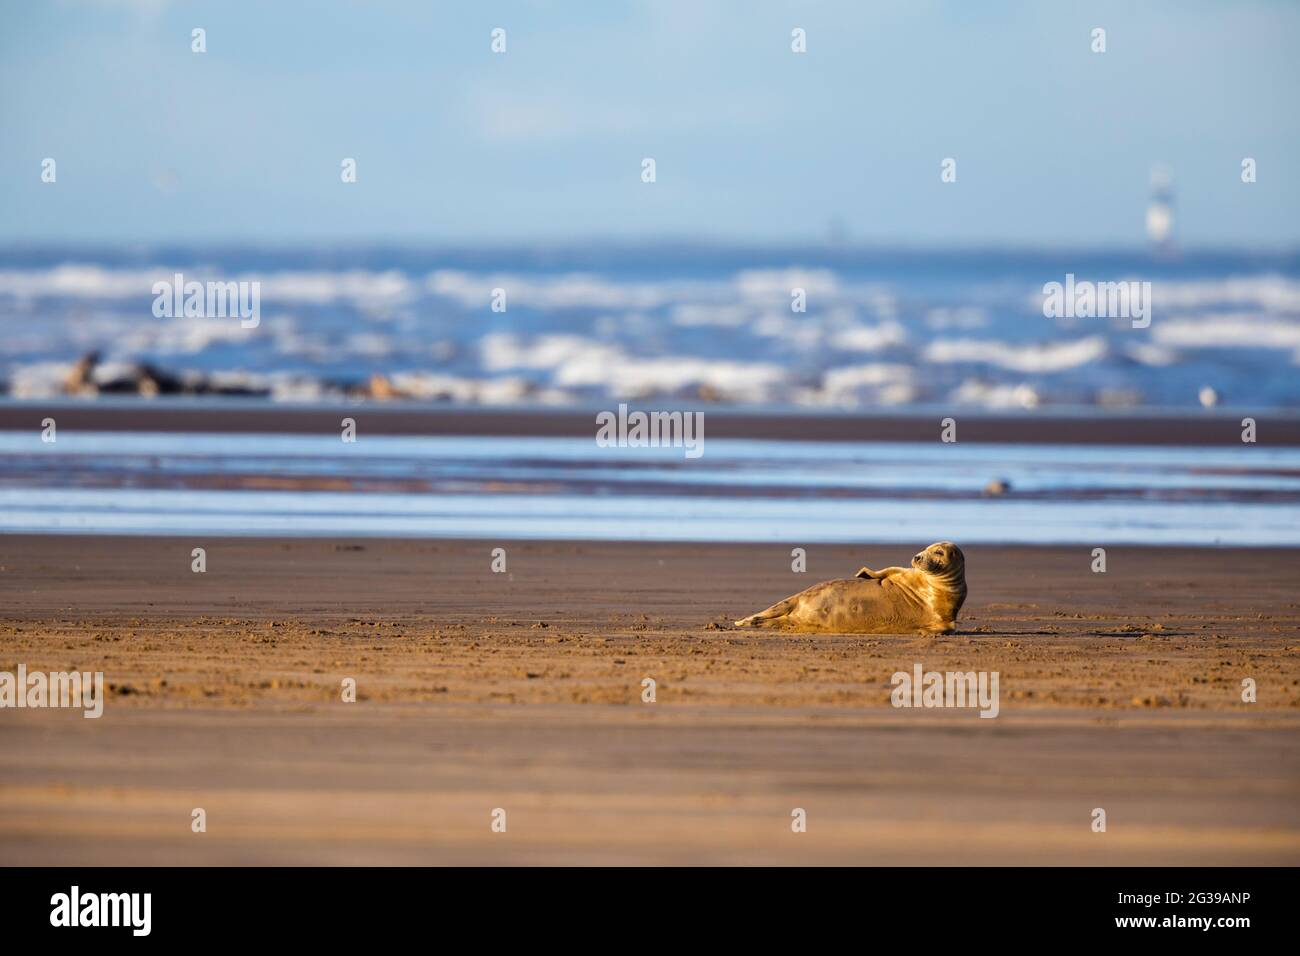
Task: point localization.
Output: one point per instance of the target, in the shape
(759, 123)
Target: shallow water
(770, 491)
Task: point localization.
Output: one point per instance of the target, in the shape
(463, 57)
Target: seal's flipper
(879, 575)
(762, 618)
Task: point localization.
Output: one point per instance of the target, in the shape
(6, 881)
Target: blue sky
(1054, 143)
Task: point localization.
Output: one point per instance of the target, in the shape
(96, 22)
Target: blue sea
(681, 322)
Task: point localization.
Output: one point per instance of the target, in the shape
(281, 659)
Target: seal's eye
(938, 554)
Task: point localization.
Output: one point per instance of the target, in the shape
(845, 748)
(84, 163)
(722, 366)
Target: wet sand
(523, 691)
(1041, 426)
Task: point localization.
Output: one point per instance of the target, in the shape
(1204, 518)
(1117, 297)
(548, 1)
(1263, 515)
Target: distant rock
(89, 376)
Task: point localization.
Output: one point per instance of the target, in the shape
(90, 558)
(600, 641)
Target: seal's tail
(769, 617)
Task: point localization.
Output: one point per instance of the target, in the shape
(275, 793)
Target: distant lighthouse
(1160, 209)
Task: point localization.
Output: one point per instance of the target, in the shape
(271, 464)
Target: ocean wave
(501, 351)
(695, 325)
(996, 395)
(877, 383)
(777, 285)
(1273, 293)
(567, 291)
(39, 380)
(1038, 357)
(867, 338)
(1228, 330)
(179, 336)
(77, 281)
(636, 377)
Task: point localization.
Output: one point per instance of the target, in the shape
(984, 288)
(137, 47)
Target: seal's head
(943, 559)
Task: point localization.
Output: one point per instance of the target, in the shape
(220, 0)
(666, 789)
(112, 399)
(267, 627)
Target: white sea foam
(567, 291)
(1156, 356)
(503, 350)
(876, 383)
(484, 391)
(586, 291)
(179, 336)
(77, 281)
(576, 362)
(670, 375)
(39, 379)
(1228, 330)
(1038, 357)
(1269, 292)
(774, 285)
(359, 287)
(996, 395)
(869, 338)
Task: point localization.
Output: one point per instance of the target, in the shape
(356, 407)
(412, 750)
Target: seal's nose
(918, 556)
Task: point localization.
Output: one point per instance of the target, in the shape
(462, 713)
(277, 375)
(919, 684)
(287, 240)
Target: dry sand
(523, 691)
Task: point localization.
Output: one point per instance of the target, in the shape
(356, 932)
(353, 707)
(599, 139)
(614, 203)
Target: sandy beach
(426, 483)
(522, 691)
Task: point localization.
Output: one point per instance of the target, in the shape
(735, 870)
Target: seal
(925, 597)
